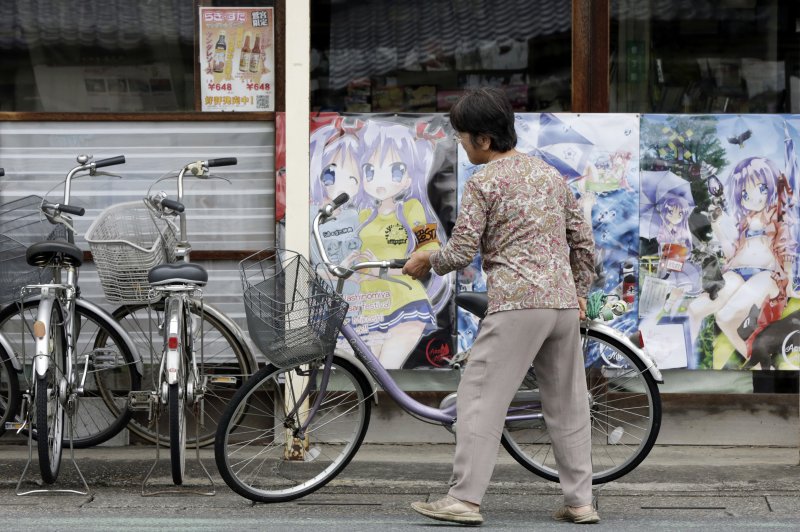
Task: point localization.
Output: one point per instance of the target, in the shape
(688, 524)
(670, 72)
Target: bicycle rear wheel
(49, 403)
(625, 414)
(9, 390)
(227, 364)
(177, 432)
(256, 451)
(112, 371)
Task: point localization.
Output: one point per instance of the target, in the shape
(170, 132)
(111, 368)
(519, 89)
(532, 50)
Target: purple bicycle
(296, 423)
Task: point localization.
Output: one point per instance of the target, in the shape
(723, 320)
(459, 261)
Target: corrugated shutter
(222, 216)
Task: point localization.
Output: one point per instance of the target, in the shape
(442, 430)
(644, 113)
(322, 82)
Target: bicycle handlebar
(54, 209)
(2, 172)
(111, 161)
(224, 161)
(343, 272)
(176, 206)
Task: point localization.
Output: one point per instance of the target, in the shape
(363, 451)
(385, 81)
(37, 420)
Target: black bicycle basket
(293, 315)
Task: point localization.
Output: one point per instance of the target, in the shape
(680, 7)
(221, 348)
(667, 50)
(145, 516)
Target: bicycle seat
(474, 302)
(52, 252)
(183, 272)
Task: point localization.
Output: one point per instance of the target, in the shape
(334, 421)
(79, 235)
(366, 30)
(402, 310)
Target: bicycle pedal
(15, 425)
(140, 400)
(223, 380)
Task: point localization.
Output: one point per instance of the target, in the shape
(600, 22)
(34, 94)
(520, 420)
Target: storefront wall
(381, 56)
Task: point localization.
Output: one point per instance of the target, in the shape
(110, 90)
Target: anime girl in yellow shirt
(396, 219)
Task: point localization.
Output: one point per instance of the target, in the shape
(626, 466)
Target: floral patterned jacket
(536, 246)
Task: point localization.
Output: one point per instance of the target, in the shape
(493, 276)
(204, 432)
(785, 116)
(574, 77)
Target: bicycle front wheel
(258, 451)
(625, 414)
(226, 365)
(110, 376)
(49, 402)
(9, 390)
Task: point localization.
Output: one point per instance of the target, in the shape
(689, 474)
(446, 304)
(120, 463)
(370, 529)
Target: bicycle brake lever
(385, 276)
(212, 176)
(58, 219)
(100, 172)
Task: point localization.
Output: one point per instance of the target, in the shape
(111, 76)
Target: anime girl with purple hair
(396, 218)
(759, 252)
(335, 155)
(675, 247)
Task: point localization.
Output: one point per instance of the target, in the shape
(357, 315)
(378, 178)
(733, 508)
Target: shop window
(705, 56)
(99, 56)
(420, 55)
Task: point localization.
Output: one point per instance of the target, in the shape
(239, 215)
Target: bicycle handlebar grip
(71, 209)
(2, 171)
(176, 206)
(397, 263)
(225, 161)
(341, 199)
(111, 161)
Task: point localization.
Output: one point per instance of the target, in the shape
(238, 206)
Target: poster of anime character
(719, 230)
(280, 180)
(598, 157)
(393, 169)
(237, 58)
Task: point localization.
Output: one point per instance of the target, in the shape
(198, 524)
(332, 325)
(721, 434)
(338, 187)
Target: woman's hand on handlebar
(418, 265)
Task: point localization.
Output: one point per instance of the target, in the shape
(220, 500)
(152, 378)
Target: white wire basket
(126, 242)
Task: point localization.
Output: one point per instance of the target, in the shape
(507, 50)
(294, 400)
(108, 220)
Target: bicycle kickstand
(27, 416)
(199, 411)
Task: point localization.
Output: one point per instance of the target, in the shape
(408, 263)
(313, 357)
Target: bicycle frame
(445, 415)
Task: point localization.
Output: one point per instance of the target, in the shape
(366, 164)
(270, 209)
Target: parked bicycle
(198, 356)
(298, 422)
(9, 379)
(52, 330)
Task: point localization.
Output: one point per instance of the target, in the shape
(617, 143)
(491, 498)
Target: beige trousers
(508, 343)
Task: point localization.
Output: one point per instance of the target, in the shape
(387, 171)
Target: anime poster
(598, 155)
(398, 172)
(718, 241)
(237, 58)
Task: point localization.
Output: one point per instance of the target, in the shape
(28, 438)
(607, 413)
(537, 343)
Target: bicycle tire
(177, 432)
(112, 372)
(251, 453)
(50, 410)
(625, 414)
(9, 390)
(225, 355)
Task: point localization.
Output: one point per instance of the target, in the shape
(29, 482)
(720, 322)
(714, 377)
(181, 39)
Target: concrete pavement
(677, 487)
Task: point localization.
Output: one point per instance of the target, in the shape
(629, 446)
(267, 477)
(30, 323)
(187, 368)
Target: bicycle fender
(112, 323)
(5, 346)
(640, 353)
(41, 333)
(172, 354)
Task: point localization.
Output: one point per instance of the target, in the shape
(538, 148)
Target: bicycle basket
(293, 315)
(126, 242)
(22, 224)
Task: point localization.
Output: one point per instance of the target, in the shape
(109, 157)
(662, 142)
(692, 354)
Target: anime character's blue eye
(369, 171)
(762, 188)
(745, 195)
(328, 175)
(398, 172)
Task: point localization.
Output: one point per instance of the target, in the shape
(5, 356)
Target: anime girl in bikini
(395, 219)
(759, 252)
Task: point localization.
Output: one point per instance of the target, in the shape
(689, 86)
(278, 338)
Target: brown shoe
(568, 513)
(449, 509)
